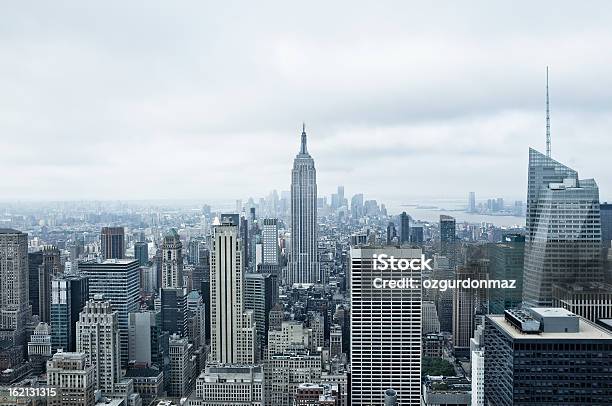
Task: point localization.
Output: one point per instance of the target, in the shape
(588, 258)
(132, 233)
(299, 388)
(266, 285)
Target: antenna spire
(303, 149)
(547, 117)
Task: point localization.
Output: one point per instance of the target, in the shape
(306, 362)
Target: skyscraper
(141, 252)
(117, 280)
(506, 262)
(385, 329)
(172, 260)
(357, 206)
(269, 239)
(304, 265)
(69, 294)
(98, 338)
(113, 242)
(233, 329)
(50, 268)
(260, 294)
(14, 303)
(472, 202)
(563, 240)
(448, 239)
(391, 233)
(404, 228)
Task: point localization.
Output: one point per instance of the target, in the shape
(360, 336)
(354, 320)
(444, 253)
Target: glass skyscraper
(563, 240)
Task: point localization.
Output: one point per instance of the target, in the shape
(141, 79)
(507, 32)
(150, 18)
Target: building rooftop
(9, 231)
(586, 331)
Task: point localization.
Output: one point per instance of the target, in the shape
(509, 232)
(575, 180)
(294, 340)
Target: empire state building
(303, 264)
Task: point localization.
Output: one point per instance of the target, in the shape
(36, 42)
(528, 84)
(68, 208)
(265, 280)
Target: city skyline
(182, 98)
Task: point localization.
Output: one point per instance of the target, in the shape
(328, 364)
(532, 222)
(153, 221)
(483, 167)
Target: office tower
(69, 295)
(113, 242)
(145, 338)
(196, 244)
(605, 210)
(285, 372)
(173, 306)
(391, 233)
(443, 299)
(316, 326)
(201, 272)
(196, 320)
(385, 339)
(431, 323)
(416, 234)
(230, 384)
(269, 238)
(35, 260)
(141, 252)
(506, 262)
(172, 261)
(39, 348)
(448, 239)
(478, 364)
(98, 338)
(542, 356)
(404, 220)
(117, 280)
(357, 206)
(335, 341)
(181, 367)
(472, 202)
(50, 268)
(563, 240)
(232, 328)
(260, 291)
(73, 379)
(593, 300)
(467, 303)
(303, 266)
(14, 303)
(276, 317)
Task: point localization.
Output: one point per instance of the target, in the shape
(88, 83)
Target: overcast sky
(402, 100)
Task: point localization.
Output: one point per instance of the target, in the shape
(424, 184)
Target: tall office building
(145, 338)
(173, 306)
(98, 338)
(506, 262)
(14, 303)
(232, 328)
(357, 206)
(73, 379)
(593, 301)
(69, 294)
(385, 329)
(269, 239)
(181, 366)
(304, 266)
(472, 202)
(113, 242)
(117, 280)
(605, 210)
(391, 233)
(172, 261)
(563, 240)
(35, 260)
(141, 252)
(404, 221)
(260, 294)
(448, 239)
(546, 356)
(50, 268)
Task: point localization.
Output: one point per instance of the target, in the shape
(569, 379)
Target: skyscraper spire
(303, 149)
(547, 118)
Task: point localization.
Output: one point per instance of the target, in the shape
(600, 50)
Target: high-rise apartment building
(233, 329)
(117, 280)
(304, 262)
(546, 356)
(172, 261)
(14, 303)
(385, 329)
(98, 338)
(73, 379)
(113, 242)
(563, 240)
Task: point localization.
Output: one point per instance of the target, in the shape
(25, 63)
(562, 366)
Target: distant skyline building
(563, 239)
(141, 252)
(172, 260)
(232, 328)
(404, 228)
(116, 280)
(14, 303)
(391, 233)
(357, 206)
(472, 202)
(448, 239)
(385, 330)
(304, 266)
(113, 242)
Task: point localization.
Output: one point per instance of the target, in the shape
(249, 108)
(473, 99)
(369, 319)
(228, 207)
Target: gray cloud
(150, 99)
